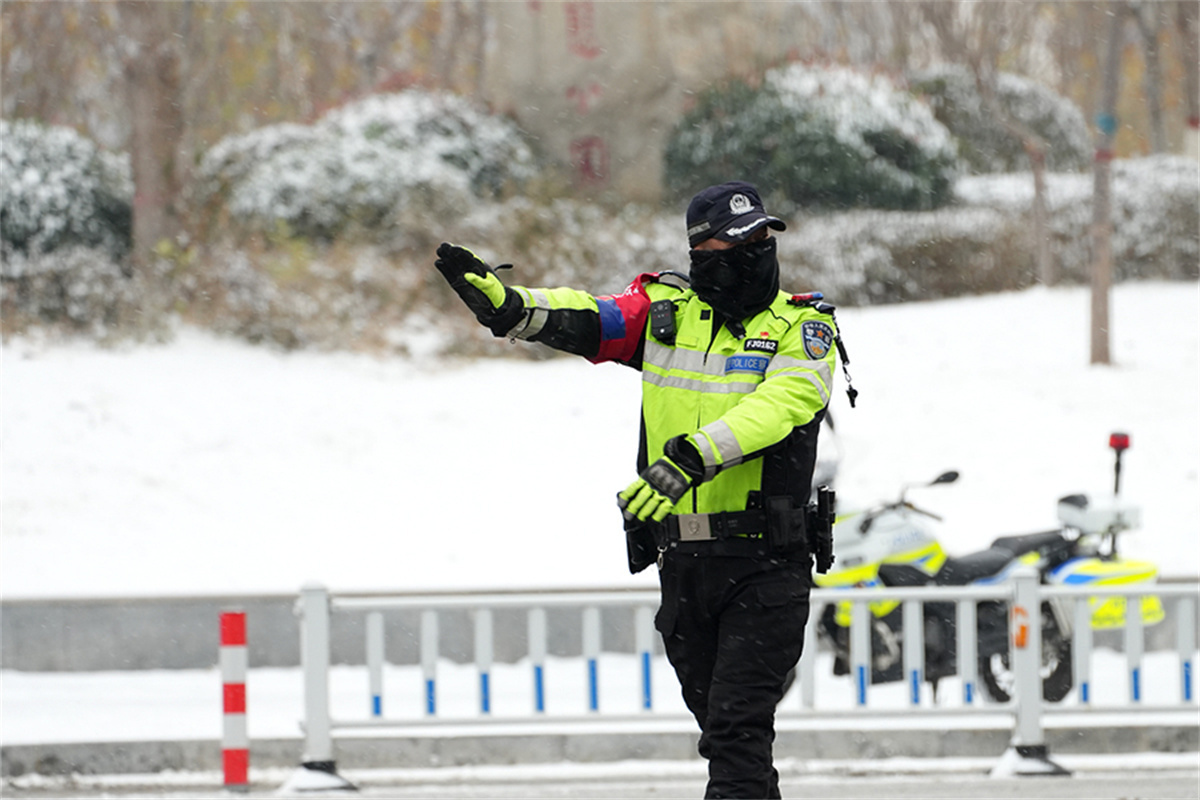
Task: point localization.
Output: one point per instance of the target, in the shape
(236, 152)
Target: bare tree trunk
(1146, 15)
(901, 19)
(1035, 151)
(447, 48)
(970, 35)
(1186, 24)
(1047, 268)
(151, 69)
(1102, 193)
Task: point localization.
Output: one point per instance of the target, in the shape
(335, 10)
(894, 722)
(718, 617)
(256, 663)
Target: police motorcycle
(893, 544)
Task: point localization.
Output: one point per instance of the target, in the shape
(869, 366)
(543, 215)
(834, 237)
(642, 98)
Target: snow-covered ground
(207, 466)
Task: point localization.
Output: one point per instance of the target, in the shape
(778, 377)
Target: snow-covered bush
(359, 294)
(1156, 227)
(360, 166)
(65, 229)
(72, 288)
(57, 189)
(809, 136)
(300, 297)
(983, 143)
(984, 244)
(571, 243)
(868, 257)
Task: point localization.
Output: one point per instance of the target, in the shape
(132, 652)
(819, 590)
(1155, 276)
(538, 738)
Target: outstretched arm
(598, 328)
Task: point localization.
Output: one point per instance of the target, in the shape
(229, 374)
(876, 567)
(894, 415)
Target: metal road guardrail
(1024, 596)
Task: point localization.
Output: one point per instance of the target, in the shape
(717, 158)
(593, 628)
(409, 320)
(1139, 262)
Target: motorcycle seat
(1028, 542)
(965, 569)
(902, 575)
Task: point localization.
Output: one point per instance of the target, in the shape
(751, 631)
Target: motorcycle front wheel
(995, 667)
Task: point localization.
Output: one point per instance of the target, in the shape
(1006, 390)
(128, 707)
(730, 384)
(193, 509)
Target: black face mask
(738, 282)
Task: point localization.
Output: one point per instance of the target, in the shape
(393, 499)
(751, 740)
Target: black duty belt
(720, 525)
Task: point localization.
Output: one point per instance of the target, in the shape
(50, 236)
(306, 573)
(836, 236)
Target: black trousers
(733, 627)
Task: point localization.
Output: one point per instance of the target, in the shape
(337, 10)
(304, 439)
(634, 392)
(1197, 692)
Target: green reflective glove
(490, 285)
(655, 492)
(494, 305)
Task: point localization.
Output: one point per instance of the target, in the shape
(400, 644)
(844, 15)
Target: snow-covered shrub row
(75, 288)
(570, 243)
(1156, 215)
(868, 257)
(337, 297)
(984, 243)
(57, 189)
(816, 137)
(983, 143)
(389, 296)
(361, 166)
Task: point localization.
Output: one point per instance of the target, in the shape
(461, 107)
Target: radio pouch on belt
(785, 525)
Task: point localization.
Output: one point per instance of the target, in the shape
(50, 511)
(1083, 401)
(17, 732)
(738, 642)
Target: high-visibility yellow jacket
(750, 399)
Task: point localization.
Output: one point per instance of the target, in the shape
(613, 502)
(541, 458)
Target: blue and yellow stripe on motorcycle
(1109, 612)
(929, 559)
(846, 578)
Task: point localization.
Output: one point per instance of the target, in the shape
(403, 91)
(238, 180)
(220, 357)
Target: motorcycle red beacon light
(1119, 442)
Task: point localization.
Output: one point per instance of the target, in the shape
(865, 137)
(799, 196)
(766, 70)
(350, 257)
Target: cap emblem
(739, 204)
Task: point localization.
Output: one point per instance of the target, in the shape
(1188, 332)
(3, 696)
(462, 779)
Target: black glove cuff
(685, 454)
(506, 317)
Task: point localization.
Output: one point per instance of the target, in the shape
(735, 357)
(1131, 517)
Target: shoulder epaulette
(673, 279)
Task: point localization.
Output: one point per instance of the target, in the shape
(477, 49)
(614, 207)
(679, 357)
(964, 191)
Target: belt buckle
(694, 528)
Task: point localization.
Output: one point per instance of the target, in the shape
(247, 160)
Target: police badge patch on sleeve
(818, 338)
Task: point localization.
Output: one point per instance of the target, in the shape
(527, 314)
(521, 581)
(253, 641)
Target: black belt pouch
(785, 526)
(641, 544)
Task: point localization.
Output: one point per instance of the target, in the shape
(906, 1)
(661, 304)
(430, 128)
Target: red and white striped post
(235, 743)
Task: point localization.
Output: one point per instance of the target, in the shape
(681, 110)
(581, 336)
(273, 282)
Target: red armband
(623, 321)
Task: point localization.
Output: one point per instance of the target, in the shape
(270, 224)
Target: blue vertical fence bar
(914, 648)
(1185, 643)
(429, 656)
(537, 656)
(591, 654)
(860, 649)
(967, 656)
(643, 626)
(1135, 645)
(484, 657)
(1081, 650)
(375, 658)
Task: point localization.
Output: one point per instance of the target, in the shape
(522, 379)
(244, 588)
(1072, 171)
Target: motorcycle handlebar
(874, 513)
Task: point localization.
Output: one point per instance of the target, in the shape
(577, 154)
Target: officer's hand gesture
(476, 283)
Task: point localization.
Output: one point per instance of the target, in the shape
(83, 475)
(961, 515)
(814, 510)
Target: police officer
(736, 378)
